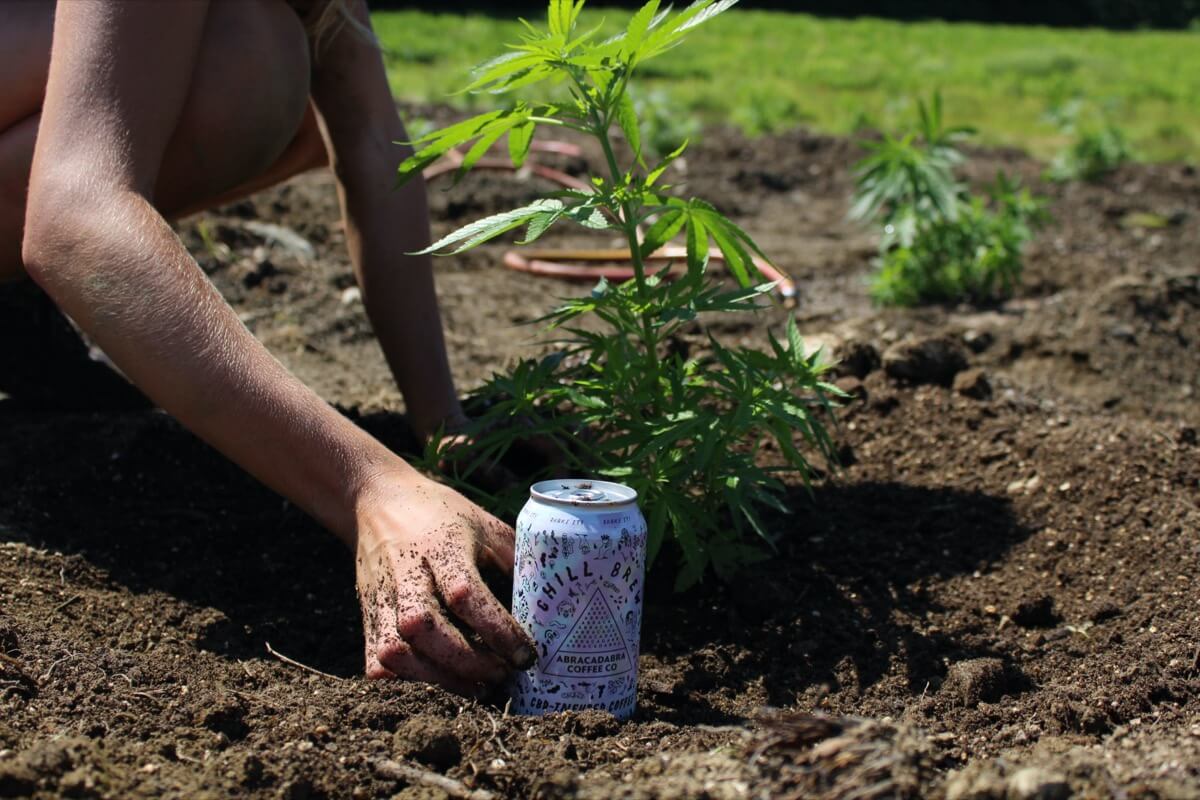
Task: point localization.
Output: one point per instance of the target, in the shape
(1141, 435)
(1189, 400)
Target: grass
(766, 71)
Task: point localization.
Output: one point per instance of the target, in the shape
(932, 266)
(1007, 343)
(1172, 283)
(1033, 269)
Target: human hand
(526, 452)
(419, 545)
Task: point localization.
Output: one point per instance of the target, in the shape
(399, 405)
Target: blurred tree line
(1067, 13)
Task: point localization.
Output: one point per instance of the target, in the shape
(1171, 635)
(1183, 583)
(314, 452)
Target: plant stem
(630, 226)
(602, 122)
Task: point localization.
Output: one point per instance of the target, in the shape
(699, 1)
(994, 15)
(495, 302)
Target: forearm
(122, 274)
(382, 226)
(360, 123)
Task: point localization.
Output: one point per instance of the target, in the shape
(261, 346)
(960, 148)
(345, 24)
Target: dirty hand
(528, 453)
(419, 546)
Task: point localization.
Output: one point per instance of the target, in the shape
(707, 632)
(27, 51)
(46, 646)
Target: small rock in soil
(979, 680)
(1034, 783)
(856, 358)
(430, 740)
(936, 359)
(973, 383)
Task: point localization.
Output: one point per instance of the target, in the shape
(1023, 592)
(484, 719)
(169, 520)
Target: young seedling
(689, 432)
(939, 243)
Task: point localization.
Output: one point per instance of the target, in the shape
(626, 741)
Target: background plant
(1097, 148)
(938, 242)
(627, 402)
(665, 124)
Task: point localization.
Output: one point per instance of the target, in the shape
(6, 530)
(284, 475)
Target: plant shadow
(845, 603)
(142, 499)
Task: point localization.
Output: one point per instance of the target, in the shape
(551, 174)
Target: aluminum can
(577, 590)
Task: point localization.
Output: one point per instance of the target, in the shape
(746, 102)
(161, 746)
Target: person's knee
(249, 95)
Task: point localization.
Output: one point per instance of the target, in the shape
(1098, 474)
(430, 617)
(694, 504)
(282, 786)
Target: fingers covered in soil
(419, 584)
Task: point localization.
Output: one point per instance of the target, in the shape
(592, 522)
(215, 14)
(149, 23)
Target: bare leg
(246, 125)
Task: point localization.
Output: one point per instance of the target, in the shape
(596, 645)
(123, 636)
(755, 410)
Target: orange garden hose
(555, 263)
(613, 263)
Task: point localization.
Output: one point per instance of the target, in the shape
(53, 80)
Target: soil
(996, 597)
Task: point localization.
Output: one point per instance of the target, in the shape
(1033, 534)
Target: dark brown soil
(996, 598)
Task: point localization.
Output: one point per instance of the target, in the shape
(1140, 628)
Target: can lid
(583, 492)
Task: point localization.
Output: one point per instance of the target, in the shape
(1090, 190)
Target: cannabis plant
(906, 179)
(940, 243)
(702, 436)
(976, 256)
(1095, 153)
(1097, 147)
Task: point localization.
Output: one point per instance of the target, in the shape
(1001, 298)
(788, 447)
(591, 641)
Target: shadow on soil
(843, 600)
(143, 500)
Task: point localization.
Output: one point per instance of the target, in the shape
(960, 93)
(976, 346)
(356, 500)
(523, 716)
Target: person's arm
(119, 76)
(383, 224)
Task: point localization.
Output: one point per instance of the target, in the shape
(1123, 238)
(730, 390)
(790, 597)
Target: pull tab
(580, 492)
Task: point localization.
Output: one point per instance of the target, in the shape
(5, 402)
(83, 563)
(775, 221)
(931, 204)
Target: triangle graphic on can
(594, 647)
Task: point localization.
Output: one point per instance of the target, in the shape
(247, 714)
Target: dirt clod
(979, 680)
(935, 359)
(226, 716)
(1036, 612)
(973, 383)
(590, 723)
(17, 778)
(973, 783)
(856, 358)
(80, 782)
(827, 757)
(853, 387)
(428, 739)
(1034, 783)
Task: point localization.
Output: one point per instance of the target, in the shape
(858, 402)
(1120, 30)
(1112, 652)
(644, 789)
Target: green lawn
(770, 70)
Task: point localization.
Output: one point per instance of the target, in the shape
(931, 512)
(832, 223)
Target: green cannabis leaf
(688, 431)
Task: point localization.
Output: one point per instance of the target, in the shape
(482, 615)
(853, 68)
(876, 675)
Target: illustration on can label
(577, 589)
(593, 645)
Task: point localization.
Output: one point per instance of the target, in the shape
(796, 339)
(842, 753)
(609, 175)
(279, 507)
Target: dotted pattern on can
(577, 589)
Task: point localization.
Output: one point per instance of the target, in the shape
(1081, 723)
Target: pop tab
(572, 492)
